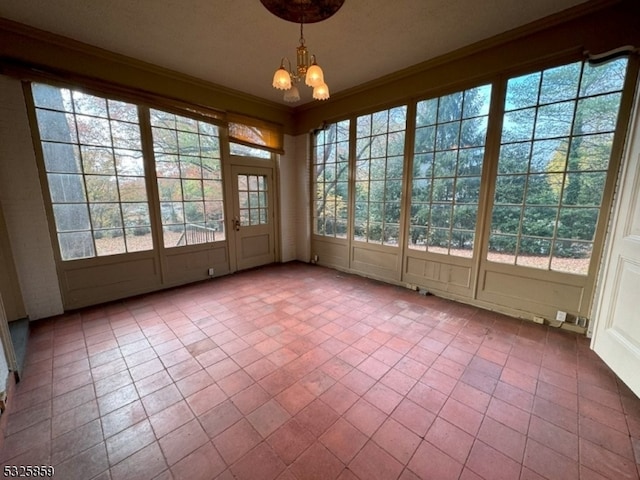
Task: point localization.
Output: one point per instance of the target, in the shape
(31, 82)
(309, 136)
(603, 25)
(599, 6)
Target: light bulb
(282, 79)
(321, 92)
(292, 95)
(314, 77)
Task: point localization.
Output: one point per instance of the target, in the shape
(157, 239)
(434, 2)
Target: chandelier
(286, 77)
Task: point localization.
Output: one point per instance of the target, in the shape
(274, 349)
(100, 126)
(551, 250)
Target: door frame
(230, 189)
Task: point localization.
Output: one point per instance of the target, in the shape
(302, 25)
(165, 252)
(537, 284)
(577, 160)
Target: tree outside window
(557, 136)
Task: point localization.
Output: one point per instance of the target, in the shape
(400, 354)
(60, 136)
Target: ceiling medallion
(303, 11)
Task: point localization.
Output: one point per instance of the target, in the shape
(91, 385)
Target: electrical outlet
(561, 316)
(211, 272)
(539, 320)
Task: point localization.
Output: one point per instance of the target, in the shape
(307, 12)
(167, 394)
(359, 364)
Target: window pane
(135, 214)
(426, 112)
(544, 189)
(597, 114)
(138, 239)
(571, 257)
(450, 107)
(125, 135)
(554, 120)
(548, 156)
(89, 105)
(56, 126)
(66, 188)
(604, 78)
(105, 215)
(132, 189)
(518, 125)
(522, 91)
(477, 101)
(109, 242)
(188, 171)
(462, 243)
(93, 131)
(510, 189)
(101, 188)
(122, 111)
(514, 158)
(554, 157)
(560, 83)
(71, 217)
(76, 245)
(50, 97)
(534, 252)
(502, 248)
(96, 160)
(243, 150)
(61, 157)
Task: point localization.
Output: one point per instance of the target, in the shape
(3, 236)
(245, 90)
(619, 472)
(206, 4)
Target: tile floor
(300, 372)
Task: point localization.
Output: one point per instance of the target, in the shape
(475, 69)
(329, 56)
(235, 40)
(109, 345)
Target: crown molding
(26, 39)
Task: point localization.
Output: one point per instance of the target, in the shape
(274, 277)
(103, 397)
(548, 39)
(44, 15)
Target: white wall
(303, 234)
(23, 206)
(294, 199)
(288, 200)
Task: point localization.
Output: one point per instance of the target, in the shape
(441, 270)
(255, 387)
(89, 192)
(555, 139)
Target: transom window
(557, 136)
(246, 151)
(95, 172)
(380, 144)
(447, 165)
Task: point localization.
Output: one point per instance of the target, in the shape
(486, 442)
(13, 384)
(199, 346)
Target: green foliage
(556, 144)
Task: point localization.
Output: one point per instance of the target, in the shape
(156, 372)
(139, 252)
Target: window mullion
(151, 182)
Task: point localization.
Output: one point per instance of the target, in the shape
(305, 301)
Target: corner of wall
(294, 195)
(23, 207)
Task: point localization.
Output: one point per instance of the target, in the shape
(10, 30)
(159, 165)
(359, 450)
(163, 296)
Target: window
(95, 172)
(187, 155)
(252, 196)
(556, 144)
(447, 165)
(254, 132)
(331, 167)
(245, 151)
(378, 179)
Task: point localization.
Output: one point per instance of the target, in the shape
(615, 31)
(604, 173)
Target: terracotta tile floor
(300, 372)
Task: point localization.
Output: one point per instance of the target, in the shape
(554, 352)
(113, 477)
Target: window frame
(366, 182)
(610, 172)
(194, 232)
(143, 107)
(337, 145)
(455, 176)
(73, 113)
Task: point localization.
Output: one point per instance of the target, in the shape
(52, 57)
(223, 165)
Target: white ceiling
(239, 44)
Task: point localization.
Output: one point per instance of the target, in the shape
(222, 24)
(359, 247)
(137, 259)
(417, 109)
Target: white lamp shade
(292, 95)
(321, 92)
(314, 77)
(282, 79)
